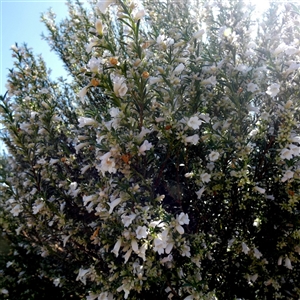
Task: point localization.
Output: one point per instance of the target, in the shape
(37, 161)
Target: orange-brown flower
(95, 82)
(145, 74)
(95, 233)
(125, 158)
(113, 61)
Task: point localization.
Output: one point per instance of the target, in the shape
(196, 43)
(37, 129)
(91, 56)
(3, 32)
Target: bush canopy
(166, 166)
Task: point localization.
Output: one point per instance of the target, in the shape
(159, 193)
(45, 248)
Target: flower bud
(288, 104)
(99, 27)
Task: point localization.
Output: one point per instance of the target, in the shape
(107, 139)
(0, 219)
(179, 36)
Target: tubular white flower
(141, 232)
(193, 139)
(83, 121)
(287, 175)
(135, 246)
(198, 34)
(145, 147)
(116, 248)
(287, 263)
(214, 155)
(82, 274)
(113, 204)
(120, 87)
(139, 14)
(205, 177)
(273, 89)
(104, 4)
(245, 248)
(200, 192)
(259, 189)
(194, 122)
(183, 218)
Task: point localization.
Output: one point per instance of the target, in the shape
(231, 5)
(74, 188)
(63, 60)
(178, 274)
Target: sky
(20, 23)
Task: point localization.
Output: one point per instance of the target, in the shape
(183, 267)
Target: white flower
(286, 153)
(105, 296)
(253, 277)
(120, 87)
(213, 156)
(82, 274)
(183, 218)
(94, 64)
(205, 117)
(281, 48)
(114, 112)
(127, 219)
(145, 147)
(200, 192)
(142, 252)
(273, 89)
(16, 210)
(194, 122)
(84, 169)
(180, 229)
(92, 296)
(257, 253)
(25, 126)
(143, 132)
(141, 232)
(159, 245)
(135, 246)
(287, 263)
(139, 14)
(291, 50)
(113, 204)
(37, 207)
(87, 199)
(295, 149)
(198, 34)
(287, 175)
(73, 191)
(83, 121)
(212, 80)
(189, 175)
(152, 80)
(80, 146)
(245, 248)
(161, 242)
(192, 139)
(117, 247)
(252, 87)
(103, 5)
(90, 45)
(259, 189)
(126, 288)
(53, 161)
(179, 69)
(82, 93)
(127, 255)
(205, 177)
(107, 164)
(185, 251)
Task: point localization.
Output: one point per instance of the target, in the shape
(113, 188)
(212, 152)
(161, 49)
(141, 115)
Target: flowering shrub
(169, 167)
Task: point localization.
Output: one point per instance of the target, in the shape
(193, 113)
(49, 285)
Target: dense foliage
(168, 167)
